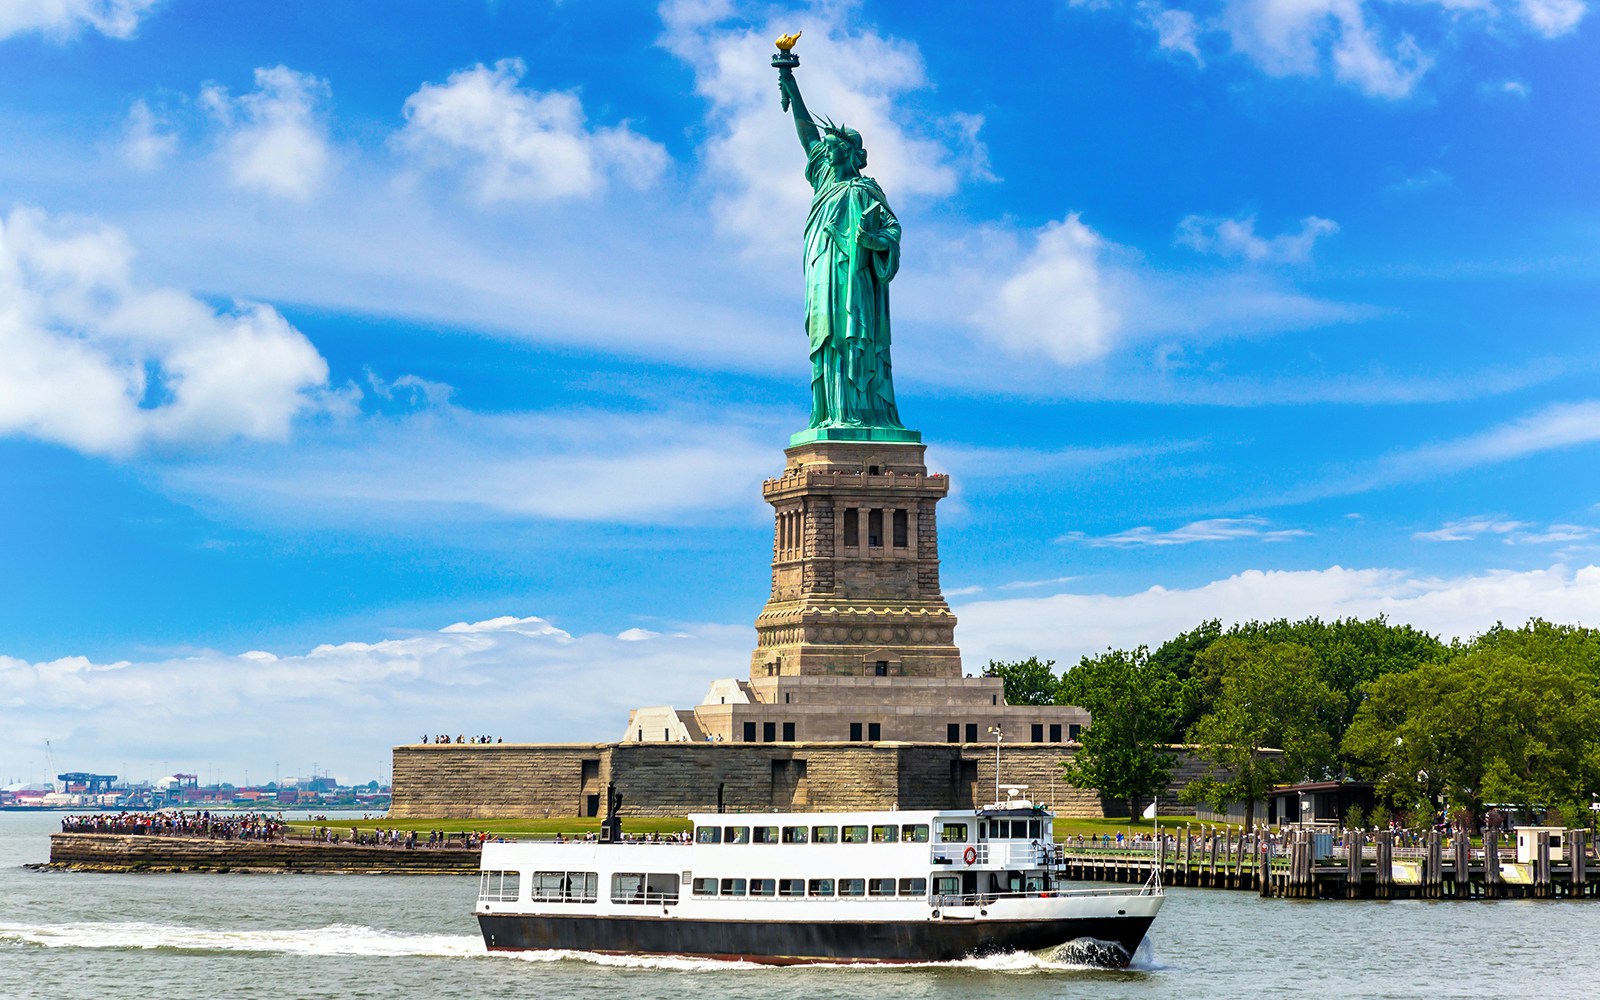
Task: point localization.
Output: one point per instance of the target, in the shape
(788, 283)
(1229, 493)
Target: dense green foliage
(1028, 682)
(1261, 695)
(1124, 755)
(1509, 717)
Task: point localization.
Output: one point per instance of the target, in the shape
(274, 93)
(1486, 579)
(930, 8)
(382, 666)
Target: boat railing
(985, 898)
(1015, 854)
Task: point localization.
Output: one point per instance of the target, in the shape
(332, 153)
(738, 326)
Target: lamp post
(998, 736)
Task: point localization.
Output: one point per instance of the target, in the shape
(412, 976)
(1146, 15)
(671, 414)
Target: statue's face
(845, 154)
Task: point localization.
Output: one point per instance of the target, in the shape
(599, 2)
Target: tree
(1351, 653)
(1131, 703)
(1486, 726)
(1263, 696)
(1028, 682)
(1177, 657)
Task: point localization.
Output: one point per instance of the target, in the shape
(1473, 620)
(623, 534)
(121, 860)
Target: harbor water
(77, 934)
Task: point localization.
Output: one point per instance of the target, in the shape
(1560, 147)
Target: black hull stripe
(797, 942)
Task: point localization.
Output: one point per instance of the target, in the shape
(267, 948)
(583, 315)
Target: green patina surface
(852, 252)
(897, 435)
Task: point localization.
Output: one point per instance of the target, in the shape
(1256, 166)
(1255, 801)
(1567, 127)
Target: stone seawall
(506, 780)
(131, 852)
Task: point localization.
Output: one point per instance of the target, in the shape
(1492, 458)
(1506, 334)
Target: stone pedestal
(855, 566)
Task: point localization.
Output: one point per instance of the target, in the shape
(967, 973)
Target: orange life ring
(971, 855)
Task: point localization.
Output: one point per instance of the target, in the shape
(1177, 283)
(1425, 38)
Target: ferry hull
(793, 943)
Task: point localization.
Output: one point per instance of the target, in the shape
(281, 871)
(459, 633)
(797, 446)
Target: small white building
(1528, 843)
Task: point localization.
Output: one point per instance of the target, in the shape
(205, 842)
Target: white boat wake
(349, 940)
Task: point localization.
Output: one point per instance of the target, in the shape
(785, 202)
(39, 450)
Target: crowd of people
(408, 839)
(445, 738)
(258, 827)
(180, 823)
(681, 837)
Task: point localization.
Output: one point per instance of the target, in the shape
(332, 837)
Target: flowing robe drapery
(847, 297)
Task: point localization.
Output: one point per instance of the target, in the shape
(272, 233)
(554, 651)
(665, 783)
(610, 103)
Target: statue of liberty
(852, 251)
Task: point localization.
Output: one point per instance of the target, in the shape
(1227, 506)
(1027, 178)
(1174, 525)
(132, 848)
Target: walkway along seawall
(116, 852)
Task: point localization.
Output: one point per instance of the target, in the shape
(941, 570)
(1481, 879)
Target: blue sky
(365, 374)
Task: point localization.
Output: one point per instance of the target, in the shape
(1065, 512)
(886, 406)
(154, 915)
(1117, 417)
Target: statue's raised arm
(789, 87)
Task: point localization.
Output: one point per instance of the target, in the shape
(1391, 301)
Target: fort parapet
(503, 780)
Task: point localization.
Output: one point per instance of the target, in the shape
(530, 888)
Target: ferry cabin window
(565, 887)
(794, 835)
(820, 887)
(855, 835)
(764, 834)
(824, 835)
(705, 887)
(852, 887)
(640, 887)
(885, 834)
(627, 887)
(763, 887)
(736, 835)
(913, 887)
(947, 885)
(499, 887)
(952, 833)
(914, 833)
(733, 887)
(880, 887)
(708, 835)
(791, 887)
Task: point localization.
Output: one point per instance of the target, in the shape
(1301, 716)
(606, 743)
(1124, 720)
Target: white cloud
(1508, 531)
(65, 18)
(1056, 302)
(344, 704)
(146, 141)
(855, 77)
(1508, 88)
(1033, 584)
(1236, 237)
(1176, 30)
(521, 144)
(1217, 529)
(384, 473)
(1552, 18)
(1563, 425)
(1067, 626)
(1424, 180)
(1370, 46)
(91, 359)
(274, 138)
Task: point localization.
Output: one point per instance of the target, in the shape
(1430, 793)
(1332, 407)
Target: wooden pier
(1353, 866)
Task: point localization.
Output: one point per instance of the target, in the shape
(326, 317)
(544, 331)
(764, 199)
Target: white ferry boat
(788, 888)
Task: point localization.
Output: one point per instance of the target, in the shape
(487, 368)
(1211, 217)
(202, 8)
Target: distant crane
(50, 755)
